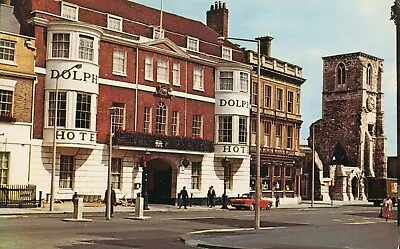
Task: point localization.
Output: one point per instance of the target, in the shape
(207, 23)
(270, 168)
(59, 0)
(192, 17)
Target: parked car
(248, 201)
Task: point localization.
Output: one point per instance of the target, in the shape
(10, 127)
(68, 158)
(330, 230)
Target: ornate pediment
(166, 45)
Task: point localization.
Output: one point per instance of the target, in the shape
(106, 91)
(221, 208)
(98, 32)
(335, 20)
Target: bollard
(139, 203)
(78, 211)
(78, 208)
(139, 206)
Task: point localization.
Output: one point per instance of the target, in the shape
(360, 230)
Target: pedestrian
(277, 201)
(113, 200)
(183, 198)
(75, 198)
(211, 197)
(387, 208)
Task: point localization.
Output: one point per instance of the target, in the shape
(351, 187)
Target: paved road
(325, 228)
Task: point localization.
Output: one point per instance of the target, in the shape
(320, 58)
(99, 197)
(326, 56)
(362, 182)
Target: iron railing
(17, 195)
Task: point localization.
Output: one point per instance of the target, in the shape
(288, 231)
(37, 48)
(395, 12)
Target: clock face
(370, 103)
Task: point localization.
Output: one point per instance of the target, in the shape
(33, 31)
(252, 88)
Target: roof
(354, 54)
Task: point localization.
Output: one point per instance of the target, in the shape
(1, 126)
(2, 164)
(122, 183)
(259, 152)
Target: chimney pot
(7, 2)
(265, 45)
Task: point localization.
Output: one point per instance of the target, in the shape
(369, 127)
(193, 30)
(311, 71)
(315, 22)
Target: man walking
(184, 197)
(211, 197)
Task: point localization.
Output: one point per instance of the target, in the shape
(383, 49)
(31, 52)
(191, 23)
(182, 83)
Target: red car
(248, 201)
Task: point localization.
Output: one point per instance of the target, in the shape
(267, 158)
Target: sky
(304, 31)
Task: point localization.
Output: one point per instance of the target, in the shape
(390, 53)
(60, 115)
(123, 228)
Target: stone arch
(339, 156)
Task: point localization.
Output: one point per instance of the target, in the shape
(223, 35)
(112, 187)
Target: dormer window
(69, 11)
(193, 44)
(341, 74)
(114, 22)
(226, 53)
(158, 33)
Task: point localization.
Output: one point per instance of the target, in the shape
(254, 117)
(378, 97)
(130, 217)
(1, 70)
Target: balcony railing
(123, 138)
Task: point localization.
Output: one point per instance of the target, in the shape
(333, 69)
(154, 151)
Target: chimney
(265, 45)
(217, 18)
(7, 2)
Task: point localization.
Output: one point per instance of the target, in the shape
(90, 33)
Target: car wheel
(252, 207)
(268, 207)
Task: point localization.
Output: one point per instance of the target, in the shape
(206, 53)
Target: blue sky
(306, 30)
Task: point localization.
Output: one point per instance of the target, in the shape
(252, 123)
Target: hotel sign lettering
(76, 136)
(74, 75)
(234, 103)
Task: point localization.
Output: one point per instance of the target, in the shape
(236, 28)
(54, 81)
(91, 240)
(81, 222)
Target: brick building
(17, 82)
(175, 99)
(280, 123)
(349, 138)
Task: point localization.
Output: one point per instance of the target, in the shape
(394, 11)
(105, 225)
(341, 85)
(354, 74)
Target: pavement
(200, 239)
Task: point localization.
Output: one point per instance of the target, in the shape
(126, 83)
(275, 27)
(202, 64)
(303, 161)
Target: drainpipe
(136, 89)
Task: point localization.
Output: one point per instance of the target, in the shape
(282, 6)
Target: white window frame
(4, 167)
(267, 133)
(67, 166)
(198, 79)
(226, 80)
(112, 22)
(10, 47)
(62, 107)
(175, 123)
(225, 129)
(176, 74)
(243, 130)
(196, 175)
(118, 117)
(6, 102)
(147, 118)
(244, 81)
(197, 125)
(84, 114)
(70, 11)
(86, 47)
(193, 44)
(158, 33)
(116, 173)
(148, 68)
(162, 71)
(161, 119)
(119, 62)
(226, 53)
(55, 52)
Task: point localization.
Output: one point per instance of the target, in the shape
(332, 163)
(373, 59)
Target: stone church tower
(349, 139)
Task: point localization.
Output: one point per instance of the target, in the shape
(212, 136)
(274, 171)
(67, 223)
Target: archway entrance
(160, 179)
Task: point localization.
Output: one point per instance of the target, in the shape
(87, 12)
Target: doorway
(354, 188)
(160, 179)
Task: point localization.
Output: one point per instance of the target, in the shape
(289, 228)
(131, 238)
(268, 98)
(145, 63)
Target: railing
(122, 138)
(17, 195)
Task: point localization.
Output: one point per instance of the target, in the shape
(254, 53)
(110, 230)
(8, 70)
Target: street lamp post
(225, 163)
(313, 167)
(145, 180)
(108, 196)
(53, 166)
(258, 125)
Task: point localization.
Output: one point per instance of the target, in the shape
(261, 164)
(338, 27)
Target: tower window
(341, 74)
(369, 74)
